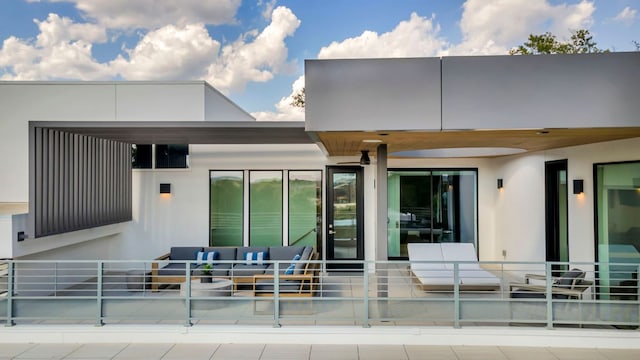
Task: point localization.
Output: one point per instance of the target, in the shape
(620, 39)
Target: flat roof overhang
(350, 143)
(182, 132)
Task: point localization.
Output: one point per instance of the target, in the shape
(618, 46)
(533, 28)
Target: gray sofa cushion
(173, 269)
(284, 252)
(184, 252)
(248, 270)
(306, 254)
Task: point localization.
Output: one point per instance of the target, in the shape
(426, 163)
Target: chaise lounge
(432, 267)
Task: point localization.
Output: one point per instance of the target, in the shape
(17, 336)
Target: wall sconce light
(500, 184)
(364, 158)
(578, 186)
(165, 188)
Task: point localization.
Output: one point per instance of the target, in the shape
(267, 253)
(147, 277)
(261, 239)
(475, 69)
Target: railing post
(10, 286)
(276, 295)
(365, 295)
(549, 295)
(187, 295)
(638, 294)
(456, 295)
(99, 310)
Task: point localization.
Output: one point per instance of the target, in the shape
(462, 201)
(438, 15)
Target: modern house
(530, 158)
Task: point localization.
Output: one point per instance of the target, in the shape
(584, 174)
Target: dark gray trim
(187, 132)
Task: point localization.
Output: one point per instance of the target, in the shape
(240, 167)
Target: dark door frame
(552, 211)
(359, 171)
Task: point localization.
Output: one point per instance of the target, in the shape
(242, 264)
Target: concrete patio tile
(96, 351)
(238, 352)
(48, 351)
(526, 353)
(13, 350)
(334, 352)
(144, 351)
(191, 351)
(577, 354)
(620, 354)
(419, 352)
(286, 352)
(478, 353)
(382, 352)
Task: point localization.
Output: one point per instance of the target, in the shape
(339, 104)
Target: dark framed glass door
(345, 210)
(556, 213)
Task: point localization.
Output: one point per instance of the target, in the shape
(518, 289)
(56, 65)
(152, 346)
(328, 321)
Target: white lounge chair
(438, 274)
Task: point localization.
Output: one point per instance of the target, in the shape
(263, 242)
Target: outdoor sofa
(237, 263)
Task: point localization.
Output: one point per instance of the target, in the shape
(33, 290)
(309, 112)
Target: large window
(265, 208)
(258, 207)
(305, 208)
(433, 206)
(226, 207)
(618, 228)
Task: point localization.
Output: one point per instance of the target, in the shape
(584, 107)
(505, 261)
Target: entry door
(345, 228)
(557, 245)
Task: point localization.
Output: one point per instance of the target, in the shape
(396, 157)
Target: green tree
(298, 99)
(581, 43)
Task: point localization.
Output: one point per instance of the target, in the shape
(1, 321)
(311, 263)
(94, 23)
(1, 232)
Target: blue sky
(254, 50)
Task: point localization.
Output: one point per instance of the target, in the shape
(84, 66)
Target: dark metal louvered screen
(77, 182)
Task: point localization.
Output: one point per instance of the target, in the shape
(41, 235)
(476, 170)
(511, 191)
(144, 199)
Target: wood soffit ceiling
(350, 143)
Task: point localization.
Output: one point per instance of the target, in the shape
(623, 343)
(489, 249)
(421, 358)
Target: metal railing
(385, 293)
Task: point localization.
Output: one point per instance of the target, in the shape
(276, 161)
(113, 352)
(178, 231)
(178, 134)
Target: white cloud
(258, 60)
(153, 14)
(627, 16)
(493, 27)
(62, 50)
(417, 36)
(169, 53)
(284, 110)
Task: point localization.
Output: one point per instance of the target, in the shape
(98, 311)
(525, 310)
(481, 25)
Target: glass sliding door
(226, 207)
(305, 208)
(265, 208)
(618, 229)
(430, 206)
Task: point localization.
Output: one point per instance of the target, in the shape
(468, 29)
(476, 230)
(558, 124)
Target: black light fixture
(165, 188)
(500, 184)
(578, 186)
(364, 158)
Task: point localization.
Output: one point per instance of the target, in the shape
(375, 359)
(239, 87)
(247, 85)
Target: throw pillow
(292, 267)
(206, 257)
(255, 258)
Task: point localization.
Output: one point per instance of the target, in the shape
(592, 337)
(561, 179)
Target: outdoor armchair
(570, 285)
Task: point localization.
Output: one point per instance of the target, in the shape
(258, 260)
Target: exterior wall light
(500, 184)
(364, 159)
(165, 188)
(578, 186)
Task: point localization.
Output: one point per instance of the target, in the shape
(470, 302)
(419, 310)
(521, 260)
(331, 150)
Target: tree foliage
(298, 99)
(581, 43)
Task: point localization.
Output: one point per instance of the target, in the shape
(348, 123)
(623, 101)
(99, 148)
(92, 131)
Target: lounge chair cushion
(568, 279)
